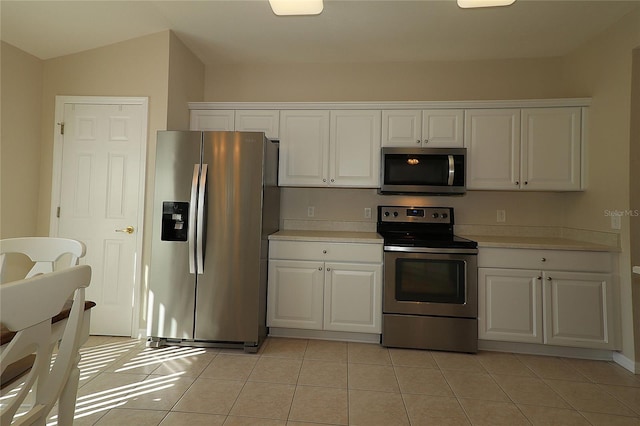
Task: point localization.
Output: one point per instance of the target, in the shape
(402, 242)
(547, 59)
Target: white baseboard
(549, 350)
(626, 363)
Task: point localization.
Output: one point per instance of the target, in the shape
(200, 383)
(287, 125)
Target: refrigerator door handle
(192, 219)
(202, 190)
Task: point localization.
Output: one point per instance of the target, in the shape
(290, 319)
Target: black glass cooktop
(426, 240)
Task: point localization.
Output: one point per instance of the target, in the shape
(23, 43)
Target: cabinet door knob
(418, 141)
(426, 141)
(544, 259)
(538, 278)
(517, 182)
(324, 252)
(526, 182)
(548, 278)
(320, 268)
(328, 269)
(324, 180)
(333, 180)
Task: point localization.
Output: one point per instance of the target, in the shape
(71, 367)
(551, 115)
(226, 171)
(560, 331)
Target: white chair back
(47, 253)
(27, 307)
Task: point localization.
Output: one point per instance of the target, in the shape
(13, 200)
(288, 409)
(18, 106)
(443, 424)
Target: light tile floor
(300, 382)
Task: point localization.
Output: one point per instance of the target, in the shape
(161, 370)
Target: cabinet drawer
(333, 252)
(566, 260)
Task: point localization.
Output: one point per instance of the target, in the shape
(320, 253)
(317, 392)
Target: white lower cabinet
(295, 295)
(547, 306)
(352, 297)
(579, 309)
(509, 305)
(325, 295)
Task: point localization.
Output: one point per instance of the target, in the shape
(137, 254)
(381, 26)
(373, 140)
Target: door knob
(128, 230)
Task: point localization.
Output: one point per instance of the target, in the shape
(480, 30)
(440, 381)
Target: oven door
(438, 284)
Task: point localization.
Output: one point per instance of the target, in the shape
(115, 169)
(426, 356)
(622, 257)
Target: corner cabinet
(553, 297)
(531, 149)
(339, 148)
(325, 286)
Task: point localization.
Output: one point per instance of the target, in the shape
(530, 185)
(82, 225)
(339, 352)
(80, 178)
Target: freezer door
(171, 302)
(228, 291)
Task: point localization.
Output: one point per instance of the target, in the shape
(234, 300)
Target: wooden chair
(27, 307)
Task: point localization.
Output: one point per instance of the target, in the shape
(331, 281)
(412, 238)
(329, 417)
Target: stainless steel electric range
(430, 280)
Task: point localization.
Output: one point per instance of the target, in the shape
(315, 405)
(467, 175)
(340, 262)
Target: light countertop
(548, 243)
(333, 236)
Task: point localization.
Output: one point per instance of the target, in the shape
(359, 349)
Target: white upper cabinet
(253, 120)
(431, 128)
(336, 148)
(401, 128)
(492, 139)
(250, 120)
(528, 145)
(304, 148)
(354, 150)
(534, 149)
(217, 119)
(551, 143)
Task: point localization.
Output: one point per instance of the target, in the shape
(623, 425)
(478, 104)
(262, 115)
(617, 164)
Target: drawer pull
(544, 259)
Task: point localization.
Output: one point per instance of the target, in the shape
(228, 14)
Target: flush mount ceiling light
(296, 7)
(467, 4)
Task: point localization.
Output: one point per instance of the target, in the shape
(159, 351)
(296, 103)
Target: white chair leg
(67, 403)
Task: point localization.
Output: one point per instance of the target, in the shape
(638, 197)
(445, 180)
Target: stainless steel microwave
(438, 171)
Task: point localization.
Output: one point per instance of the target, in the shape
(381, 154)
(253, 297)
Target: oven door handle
(430, 250)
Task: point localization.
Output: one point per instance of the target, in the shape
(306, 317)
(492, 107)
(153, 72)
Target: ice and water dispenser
(175, 221)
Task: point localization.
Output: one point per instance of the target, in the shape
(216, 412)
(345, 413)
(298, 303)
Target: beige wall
(21, 108)
(20, 140)
(186, 83)
(634, 188)
(602, 68)
(503, 79)
(138, 67)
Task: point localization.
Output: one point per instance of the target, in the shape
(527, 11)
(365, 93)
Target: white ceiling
(247, 31)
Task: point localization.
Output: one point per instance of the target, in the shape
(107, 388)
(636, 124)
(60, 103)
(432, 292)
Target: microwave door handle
(192, 219)
(452, 171)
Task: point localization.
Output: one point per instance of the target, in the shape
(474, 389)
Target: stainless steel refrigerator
(216, 200)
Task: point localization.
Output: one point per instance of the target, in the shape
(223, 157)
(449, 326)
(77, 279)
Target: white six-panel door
(100, 203)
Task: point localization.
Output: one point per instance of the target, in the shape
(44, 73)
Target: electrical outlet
(311, 211)
(501, 215)
(367, 212)
(615, 222)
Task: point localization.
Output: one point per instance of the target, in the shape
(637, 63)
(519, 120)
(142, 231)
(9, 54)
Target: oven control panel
(405, 214)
